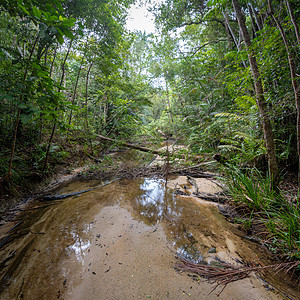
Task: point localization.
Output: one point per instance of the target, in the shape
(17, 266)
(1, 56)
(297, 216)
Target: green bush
(263, 204)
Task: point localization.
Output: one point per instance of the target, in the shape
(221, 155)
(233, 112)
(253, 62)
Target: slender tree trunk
(86, 92)
(260, 98)
(12, 153)
(255, 16)
(233, 36)
(75, 89)
(254, 26)
(54, 125)
(229, 41)
(46, 56)
(293, 20)
(295, 85)
(168, 103)
(52, 64)
(86, 104)
(105, 109)
(230, 29)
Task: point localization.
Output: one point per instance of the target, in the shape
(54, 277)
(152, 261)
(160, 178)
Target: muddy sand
(120, 242)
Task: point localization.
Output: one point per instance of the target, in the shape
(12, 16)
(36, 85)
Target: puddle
(125, 231)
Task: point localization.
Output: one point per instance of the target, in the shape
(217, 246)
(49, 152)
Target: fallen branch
(95, 159)
(212, 197)
(63, 196)
(195, 167)
(198, 174)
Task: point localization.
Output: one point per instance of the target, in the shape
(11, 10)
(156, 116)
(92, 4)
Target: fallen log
(145, 149)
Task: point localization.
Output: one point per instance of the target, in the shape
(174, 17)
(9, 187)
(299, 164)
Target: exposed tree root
(205, 196)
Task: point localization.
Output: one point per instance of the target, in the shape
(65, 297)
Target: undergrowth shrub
(248, 187)
(283, 225)
(261, 202)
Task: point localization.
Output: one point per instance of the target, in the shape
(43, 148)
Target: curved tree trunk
(260, 98)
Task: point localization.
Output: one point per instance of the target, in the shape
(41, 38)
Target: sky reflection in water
(159, 204)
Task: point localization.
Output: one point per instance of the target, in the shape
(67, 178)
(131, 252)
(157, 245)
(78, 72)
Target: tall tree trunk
(86, 92)
(260, 98)
(295, 85)
(253, 22)
(52, 63)
(46, 57)
(230, 29)
(105, 110)
(228, 34)
(54, 125)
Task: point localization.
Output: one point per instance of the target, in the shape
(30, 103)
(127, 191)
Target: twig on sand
(223, 273)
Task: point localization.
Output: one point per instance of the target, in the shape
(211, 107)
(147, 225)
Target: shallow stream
(120, 241)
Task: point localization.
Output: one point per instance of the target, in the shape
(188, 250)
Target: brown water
(119, 242)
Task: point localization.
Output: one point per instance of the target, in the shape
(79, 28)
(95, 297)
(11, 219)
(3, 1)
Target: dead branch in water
(63, 196)
(227, 273)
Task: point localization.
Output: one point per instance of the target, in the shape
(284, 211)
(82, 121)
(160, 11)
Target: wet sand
(130, 260)
(119, 242)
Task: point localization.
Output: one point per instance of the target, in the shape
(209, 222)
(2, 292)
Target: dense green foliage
(212, 86)
(65, 76)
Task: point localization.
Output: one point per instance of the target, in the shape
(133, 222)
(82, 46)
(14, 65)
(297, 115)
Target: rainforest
(184, 140)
